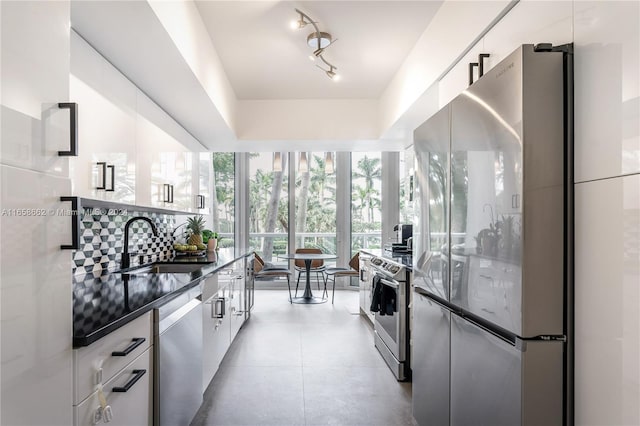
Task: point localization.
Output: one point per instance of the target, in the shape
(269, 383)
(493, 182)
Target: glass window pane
(268, 206)
(315, 203)
(366, 200)
(224, 195)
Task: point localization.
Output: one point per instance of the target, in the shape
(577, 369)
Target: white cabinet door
(236, 315)
(165, 165)
(35, 78)
(130, 407)
(105, 167)
(35, 298)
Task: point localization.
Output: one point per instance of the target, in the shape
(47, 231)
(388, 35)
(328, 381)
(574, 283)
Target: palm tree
(272, 209)
(369, 170)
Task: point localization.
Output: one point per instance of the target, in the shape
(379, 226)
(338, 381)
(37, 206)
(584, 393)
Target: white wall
(606, 35)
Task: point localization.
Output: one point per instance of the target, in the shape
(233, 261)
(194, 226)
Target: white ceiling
(264, 58)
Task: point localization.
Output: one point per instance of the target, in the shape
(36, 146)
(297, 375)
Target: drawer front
(88, 361)
(131, 408)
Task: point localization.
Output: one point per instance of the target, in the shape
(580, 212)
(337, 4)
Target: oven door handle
(389, 283)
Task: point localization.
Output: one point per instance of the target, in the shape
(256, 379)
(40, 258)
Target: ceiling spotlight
(317, 40)
(301, 22)
(331, 72)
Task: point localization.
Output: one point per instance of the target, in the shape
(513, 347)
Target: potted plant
(210, 238)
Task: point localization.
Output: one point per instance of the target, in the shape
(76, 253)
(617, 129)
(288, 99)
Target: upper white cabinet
(166, 166)
(35, 78)
(132, 151)
(106, 164)
(607, 89)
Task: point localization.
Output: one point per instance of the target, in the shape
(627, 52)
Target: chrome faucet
(125, 253)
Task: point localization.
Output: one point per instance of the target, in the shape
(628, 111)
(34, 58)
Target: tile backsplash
(102, 239)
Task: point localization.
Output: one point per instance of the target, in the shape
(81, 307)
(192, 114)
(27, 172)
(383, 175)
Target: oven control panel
(391, 269)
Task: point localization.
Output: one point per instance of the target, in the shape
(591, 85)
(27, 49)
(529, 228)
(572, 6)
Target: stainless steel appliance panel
(485, 377)
(507, 194)
(431, 233)
(179, 372)
(430, 364)
(392, 329)
(494, 382)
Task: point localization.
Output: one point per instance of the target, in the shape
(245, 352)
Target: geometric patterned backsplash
(102, 239)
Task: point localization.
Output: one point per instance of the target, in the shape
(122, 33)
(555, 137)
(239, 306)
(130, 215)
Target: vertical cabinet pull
(113, 178)
(137, 375)
(75, 224)
(104, 169)
(168, 193)
(481, 58)
(472, 65)
(103, 166)
(73, 129)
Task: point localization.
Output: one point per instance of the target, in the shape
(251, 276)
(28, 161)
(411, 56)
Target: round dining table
(308, 297)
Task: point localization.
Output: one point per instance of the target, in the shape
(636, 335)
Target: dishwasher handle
(176, 316)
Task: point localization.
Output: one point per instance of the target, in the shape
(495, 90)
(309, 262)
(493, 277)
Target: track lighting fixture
(317, 40)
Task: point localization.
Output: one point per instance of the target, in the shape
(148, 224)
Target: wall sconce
(303, 164)
(328, 163)
(277, 161)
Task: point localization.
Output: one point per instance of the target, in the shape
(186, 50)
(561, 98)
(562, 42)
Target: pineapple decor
(196, 225)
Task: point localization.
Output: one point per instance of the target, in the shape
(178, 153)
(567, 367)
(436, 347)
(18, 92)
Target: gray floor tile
(305, 364)
(253, 396)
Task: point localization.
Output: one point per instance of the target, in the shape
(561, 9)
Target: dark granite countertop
(402, 258)
(104, 302)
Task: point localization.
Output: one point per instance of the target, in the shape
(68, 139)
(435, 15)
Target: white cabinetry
(105, 168)
(168, 159)
(216, 330)
(223, 296)
(123, 357)
(237, 311)
(131, 151)
(366, 275)
(128, 395)
(35, 274)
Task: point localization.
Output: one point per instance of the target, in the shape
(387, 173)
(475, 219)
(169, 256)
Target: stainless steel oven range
(391, 282)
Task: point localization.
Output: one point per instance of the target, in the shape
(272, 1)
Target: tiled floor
(305, 365)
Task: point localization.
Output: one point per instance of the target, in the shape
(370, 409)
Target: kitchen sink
(168, 268)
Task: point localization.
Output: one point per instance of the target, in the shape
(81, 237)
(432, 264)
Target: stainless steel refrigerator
(491, 250)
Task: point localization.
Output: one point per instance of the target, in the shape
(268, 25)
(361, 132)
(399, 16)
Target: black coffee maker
(404, 232)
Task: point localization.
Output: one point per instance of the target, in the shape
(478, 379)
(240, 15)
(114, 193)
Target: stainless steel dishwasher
(178, 360)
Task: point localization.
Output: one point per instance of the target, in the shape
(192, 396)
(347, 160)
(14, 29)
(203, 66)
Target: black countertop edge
(86, 340)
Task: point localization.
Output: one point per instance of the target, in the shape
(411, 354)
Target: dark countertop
(104, 302)
(401, 258)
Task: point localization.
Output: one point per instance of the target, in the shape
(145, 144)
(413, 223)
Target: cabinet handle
(481, 58)
(73, 129)
(132, 381)
(134, 344)
(103, 166)
(168, 193)
(75, 224)
(215, 313)
(472, 65)
(113, 178)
